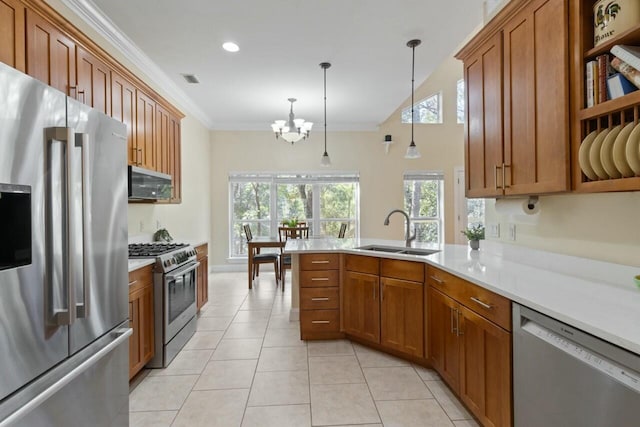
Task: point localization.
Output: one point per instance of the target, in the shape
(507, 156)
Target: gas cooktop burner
(152, 250)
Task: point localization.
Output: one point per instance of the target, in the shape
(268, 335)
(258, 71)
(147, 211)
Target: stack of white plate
(611, 153)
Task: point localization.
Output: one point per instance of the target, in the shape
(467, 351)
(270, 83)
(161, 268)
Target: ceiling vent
(191, 78)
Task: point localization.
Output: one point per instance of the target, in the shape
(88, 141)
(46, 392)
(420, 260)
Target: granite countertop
(597, 297)
(135, 264)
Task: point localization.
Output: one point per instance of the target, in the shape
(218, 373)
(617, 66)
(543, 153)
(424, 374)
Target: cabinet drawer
(201, 251)
(446, 283)
(403, 270)
(490, 305)
(363, 264)
(140, 278)
(320, 261)
(319, 298)
(317, 279)
(320, 320)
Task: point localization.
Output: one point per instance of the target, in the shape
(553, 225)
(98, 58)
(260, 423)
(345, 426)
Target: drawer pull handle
(324, 322)
(131, 283)
(320, 262)
(320, 299)
(319, 279)
(438, 281)
(482, 303)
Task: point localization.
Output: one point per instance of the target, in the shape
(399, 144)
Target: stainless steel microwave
(145, 184)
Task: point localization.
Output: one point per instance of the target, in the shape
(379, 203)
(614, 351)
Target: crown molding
(100, 23)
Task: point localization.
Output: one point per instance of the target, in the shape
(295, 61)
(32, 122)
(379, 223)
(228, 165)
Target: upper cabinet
(12, 49)
(40, 42)
(517, 125)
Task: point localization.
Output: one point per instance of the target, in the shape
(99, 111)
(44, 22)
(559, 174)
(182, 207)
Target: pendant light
(412, 150)
(325, 161)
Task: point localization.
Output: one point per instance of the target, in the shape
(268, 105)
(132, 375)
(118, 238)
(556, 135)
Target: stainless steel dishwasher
(565, 377)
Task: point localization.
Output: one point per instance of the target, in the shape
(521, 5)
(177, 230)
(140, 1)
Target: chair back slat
(343, 230)
(247, 232)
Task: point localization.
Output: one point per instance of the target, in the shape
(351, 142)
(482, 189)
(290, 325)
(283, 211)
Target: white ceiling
(282, 43)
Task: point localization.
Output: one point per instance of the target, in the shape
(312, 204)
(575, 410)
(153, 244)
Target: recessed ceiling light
(230, 47)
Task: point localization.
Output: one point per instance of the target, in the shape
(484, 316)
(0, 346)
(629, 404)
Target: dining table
(257, 243)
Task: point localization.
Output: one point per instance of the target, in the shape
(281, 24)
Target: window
(324, 201)
(460, 101)
(424, 200)
(475, 212)
(429, 110)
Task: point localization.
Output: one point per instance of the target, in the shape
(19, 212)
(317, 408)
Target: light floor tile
(370, 358)
(187, 362)
(213, 323)
(333, 404)
(426, 374)
(161, 393)
(257, 304)
(279, 388)
(395, 383)
(252, 316)
(335, 370)
(212, 408)
(283, 338)
(413, 413)
(466, 423)
(451, 405)
(238, 349)
(151, 419)
(219, 310)
(246, 330)
(277, 416)
(204, 340)
(330, 348)
(283, 359)
(226, 374)
(281, 321)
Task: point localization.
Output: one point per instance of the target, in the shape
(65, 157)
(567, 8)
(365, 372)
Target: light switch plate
(512, 232)
(494, 230)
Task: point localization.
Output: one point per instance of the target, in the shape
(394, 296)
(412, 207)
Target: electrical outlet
(494, 230)
(512, 232)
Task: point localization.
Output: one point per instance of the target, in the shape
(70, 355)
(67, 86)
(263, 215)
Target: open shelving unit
(608, 114)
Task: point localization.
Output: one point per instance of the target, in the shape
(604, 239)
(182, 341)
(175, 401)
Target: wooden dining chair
(343, 230)
(258, 258)
(284, 234)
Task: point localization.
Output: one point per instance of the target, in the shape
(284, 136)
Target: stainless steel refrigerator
(64, 349)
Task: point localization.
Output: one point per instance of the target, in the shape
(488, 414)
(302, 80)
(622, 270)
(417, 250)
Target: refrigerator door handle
(82, 309)
(120, 335)
(54, 259)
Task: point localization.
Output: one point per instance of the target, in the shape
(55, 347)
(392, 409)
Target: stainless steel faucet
(407, 235)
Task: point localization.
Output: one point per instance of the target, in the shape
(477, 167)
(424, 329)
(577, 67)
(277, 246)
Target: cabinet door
(12, 50)
(445, 346)
(94, 87)
(401, 316)
(361, 305)
(145, 130)
(175, 160)
(134, 339)
(536, 99)
(123, 108)
(202, 288)
(483, 125)
(485, 369)
(146, 324)
(51, 55)
(163, 134)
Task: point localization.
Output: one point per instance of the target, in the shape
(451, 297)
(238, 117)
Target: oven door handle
(182, 272)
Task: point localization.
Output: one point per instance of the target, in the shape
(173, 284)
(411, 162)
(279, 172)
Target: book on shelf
(604, 72)
(591, 70)
(618, 85)
(628, 54)
(632, 74)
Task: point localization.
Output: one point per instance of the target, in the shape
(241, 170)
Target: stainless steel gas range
(174, 287)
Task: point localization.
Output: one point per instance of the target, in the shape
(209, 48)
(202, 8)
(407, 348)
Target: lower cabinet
(361, 305)
(202, 276)
(401, 311)
(141, 342)
(470, 351)
(319, 281)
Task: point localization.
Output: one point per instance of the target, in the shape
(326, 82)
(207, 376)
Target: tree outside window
(423, 200)
(429, 110)
(460, 101)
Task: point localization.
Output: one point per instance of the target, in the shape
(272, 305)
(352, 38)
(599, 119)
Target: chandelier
(292, 130)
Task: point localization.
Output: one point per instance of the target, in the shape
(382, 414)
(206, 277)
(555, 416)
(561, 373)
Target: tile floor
(246, 366)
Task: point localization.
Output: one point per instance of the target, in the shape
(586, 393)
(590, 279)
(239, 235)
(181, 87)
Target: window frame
(407, 110)
(432, 175)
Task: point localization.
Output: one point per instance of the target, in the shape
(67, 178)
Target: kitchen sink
(398, 250)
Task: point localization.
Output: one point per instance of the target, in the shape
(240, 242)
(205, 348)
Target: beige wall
(380, 173)
(191, 218)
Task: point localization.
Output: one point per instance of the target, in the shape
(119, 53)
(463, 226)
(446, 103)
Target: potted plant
(475, 233)
(290, 222)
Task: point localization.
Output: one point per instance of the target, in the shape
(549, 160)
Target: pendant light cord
(413, 67)
(325, 110)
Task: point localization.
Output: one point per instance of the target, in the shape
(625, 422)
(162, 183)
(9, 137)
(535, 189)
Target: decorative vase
(474, 244)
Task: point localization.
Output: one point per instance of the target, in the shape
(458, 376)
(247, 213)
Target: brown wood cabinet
(517, 123)
(94, 81)
(319, 282)
(401, 316)
(123, 108)
(361, 305)
(141, 342)
(202, 279)
(12, 34)
(145, 140)
(167, 148)
(469, 351)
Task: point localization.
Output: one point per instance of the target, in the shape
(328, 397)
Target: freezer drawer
(565, 377)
